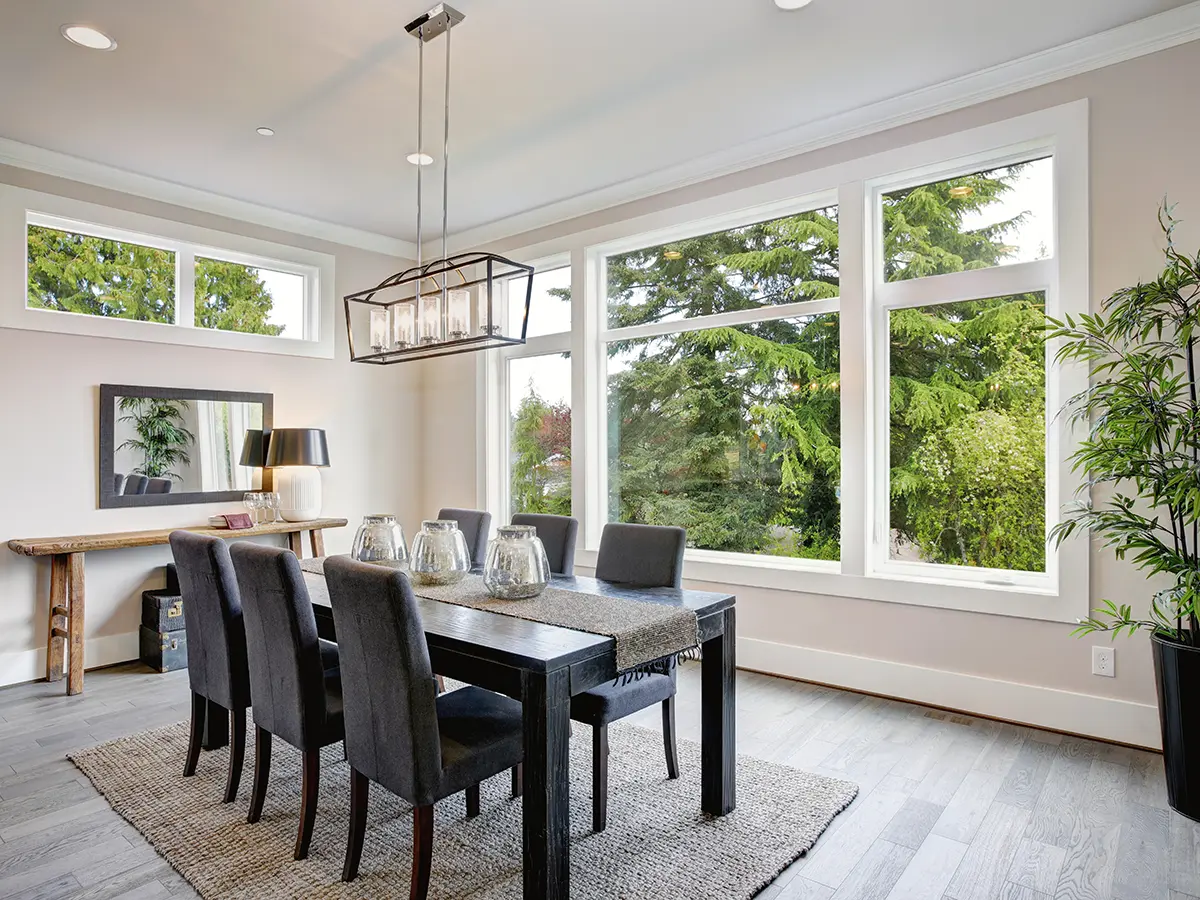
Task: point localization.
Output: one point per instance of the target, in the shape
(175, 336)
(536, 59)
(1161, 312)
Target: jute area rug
(658, 843)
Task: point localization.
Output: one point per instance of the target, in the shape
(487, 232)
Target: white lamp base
(299, 489)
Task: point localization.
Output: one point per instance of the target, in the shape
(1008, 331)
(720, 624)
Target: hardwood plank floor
(950, 807)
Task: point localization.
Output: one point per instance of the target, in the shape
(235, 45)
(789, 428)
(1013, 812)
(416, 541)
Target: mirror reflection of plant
(162, 439)
(1143, 415)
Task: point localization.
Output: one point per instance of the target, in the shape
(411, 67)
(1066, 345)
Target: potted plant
(1141, 459)
(162, 440)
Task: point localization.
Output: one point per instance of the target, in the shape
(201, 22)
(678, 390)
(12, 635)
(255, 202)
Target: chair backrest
(118, 483)
(557, 534)
(644, 555)
(388, 686)
(287, 681)
(212, 617)
(159, 486)
(136, 484)
(475, 525)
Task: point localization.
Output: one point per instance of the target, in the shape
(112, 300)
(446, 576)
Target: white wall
(49, 429)
(1142, 147)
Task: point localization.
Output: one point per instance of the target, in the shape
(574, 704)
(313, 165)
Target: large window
(846, 393)
(726, 419)
(77, 268)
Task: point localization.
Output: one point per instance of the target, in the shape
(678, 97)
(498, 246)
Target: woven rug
(658, 843)
(644, 631)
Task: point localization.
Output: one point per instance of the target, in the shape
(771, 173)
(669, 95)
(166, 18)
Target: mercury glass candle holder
(380, 539)
(516, 567)
(439, 553)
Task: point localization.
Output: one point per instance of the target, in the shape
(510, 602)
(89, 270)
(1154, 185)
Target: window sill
(825, 578)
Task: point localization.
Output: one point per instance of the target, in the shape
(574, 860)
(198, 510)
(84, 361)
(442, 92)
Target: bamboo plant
(1141, 459)
(162, 439)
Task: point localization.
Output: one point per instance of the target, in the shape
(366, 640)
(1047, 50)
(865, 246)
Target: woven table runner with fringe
(646, 633)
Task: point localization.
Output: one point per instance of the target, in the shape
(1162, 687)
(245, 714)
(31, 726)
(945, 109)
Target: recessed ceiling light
(792, 4)
(264, 131)
(86, 36)
(420, 159)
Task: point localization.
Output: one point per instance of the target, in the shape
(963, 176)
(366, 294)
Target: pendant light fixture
(452, 304)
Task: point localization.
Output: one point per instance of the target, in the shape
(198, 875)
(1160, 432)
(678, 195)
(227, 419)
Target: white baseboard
(30, 665)
(1084, 714)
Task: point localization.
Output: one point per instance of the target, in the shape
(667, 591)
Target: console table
(64, 633)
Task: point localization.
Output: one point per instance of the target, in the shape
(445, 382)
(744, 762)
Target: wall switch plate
(1104, 661)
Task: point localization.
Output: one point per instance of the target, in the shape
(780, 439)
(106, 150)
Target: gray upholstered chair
(295, 684)
(645, 556)
(135, 484)
(216, 642)
(557, 534)
(159, 486)
(399, 732)
(475, 525)
(118, 484)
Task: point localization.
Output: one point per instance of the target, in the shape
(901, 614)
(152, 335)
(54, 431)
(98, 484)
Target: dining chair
(216, 644)
(641, 556)
(135, 484)
(475, 525)
(557, 534)
(118, 484)
(400, 733)
(159, 486)
(295, 684)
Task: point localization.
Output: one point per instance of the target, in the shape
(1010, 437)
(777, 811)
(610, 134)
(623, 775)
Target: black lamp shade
(297, 447)
(254, 449)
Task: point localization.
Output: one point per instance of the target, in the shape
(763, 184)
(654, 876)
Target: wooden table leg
(296, 543)
(317, 536)
(546, 831)
(56, 633)
(718, 718)
(216, 726)
(75, 585)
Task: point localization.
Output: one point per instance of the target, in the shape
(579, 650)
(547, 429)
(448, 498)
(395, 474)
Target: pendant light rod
(420, 127)
(446, 150)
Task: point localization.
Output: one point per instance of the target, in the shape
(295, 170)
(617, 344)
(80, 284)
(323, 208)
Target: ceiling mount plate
(437, 21)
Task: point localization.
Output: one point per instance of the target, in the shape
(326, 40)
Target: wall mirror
(161, 446)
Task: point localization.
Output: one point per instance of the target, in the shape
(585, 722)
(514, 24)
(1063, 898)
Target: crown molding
(1126, 42)
(62, 165)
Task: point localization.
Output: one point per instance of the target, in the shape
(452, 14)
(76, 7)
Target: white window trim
(1065, 598)
(20, 207)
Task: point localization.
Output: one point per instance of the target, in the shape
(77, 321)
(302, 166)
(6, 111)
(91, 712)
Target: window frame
(20, 208)
(1065, 595)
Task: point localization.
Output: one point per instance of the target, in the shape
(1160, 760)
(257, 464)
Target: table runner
(644, 631)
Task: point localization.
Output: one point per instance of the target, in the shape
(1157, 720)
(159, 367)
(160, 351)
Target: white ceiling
(552, 99)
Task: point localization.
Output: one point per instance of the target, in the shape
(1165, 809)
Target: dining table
(544, 666)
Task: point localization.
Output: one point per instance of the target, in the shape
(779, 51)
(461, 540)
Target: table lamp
(295, 454)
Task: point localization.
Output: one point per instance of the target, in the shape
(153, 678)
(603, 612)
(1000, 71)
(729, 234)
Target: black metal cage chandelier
(481, 300)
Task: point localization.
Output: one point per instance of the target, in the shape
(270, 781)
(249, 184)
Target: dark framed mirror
(162, 446)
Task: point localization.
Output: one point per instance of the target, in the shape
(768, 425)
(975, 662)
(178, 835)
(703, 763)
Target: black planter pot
(1177, 671)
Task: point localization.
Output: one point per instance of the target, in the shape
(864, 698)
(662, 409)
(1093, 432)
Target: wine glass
(274, 502)
(253, 503)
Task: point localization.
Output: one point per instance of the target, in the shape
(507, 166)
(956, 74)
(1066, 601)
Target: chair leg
(237, 753)
(668, 709)
(199, 705)
(360, 787)
(599, 777)
(422, 852)
(262, 773)
(310, 784)
(518, 779)
(441, 684)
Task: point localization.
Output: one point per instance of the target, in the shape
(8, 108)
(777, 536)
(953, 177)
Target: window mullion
(720, 320)
(976, 284)
(185, 286)
(854, 375)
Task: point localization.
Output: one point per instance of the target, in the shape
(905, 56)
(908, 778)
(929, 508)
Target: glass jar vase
(380, 539)
(516, 567)
(439, 553)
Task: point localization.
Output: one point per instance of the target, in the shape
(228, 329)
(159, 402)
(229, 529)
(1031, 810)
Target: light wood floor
(949, 806)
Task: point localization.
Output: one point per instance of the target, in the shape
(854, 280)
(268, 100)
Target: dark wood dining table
(543, 666)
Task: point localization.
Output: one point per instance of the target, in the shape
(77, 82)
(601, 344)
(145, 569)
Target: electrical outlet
(1104, 661)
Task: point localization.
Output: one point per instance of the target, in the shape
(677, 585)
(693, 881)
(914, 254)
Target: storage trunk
(164, 651)
(162, 610)
(1177, 671)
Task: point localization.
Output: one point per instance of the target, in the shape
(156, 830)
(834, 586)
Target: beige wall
(49, 425)
(1143, 141)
